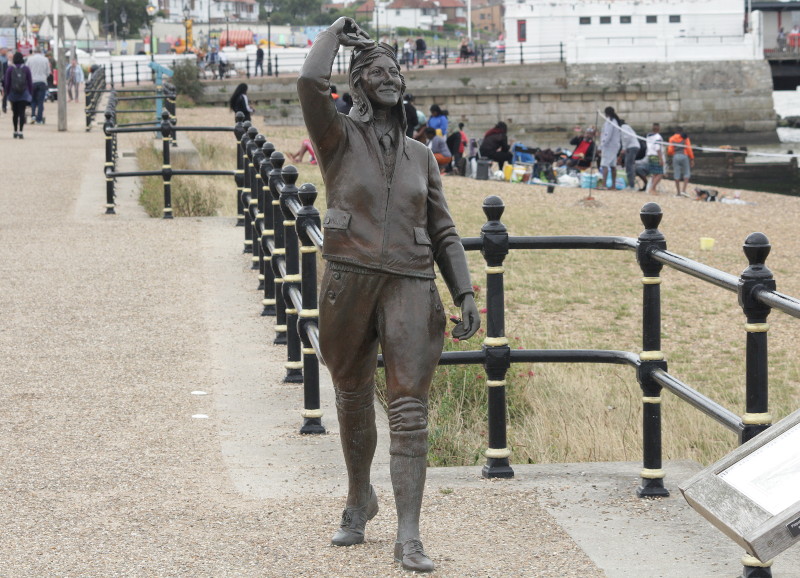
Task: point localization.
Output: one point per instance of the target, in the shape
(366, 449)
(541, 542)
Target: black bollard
(239, 131)
(652, 474)
(257, 158)
(247, 190)
(279, 251)
(268, 233)
(755, 278)
(109, 164)
(166, 168)
(495, 346)
(308, 220)
(291, 281)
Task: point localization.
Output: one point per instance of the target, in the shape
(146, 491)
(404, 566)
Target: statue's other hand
(350, 34)
(470, 319)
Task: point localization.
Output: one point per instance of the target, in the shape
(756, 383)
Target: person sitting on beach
(438, 147)
(305, 147)
(582, 155)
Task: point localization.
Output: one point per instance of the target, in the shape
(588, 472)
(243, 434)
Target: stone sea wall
(716, 102)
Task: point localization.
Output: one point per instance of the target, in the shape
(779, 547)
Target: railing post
(521, 55)
(276, 66)
(757, 418)
(109, 166)
(137, 73)
(756, 277)
(238, 132)
(495, 346)
(166, 168)
(651, 357)
(279, 252)
(308, 216)
(247, 190)
(247, 65)
(257, 157)
(561, 52)
(294, 364)
(111, 73)
(122, 74)
(250, 196)
(267, 232)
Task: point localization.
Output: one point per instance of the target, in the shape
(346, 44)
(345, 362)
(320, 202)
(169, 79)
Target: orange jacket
(678, 139)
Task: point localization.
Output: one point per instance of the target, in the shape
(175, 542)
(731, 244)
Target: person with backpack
(18, 86)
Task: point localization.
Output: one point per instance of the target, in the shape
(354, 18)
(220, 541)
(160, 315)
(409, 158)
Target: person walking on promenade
(40, 70)
(655, 158)
(75, 78)
(610, 143)
(386, 223)
(259, 62)
(239, 101)
(680, 149)
(630, 148)
(18, 90)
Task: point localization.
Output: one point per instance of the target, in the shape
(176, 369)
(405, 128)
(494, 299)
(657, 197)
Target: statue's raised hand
(350, 34)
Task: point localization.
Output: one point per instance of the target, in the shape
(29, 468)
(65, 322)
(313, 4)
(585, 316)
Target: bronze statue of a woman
(386, 223)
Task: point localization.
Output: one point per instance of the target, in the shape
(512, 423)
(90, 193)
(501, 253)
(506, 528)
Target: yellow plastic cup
(706, 243)
(507, 171)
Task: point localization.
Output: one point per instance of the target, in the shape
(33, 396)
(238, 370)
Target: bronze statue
(386, 224)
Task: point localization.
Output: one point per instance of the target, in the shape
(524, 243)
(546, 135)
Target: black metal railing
(168, 130)
(272, 233)
(94, 88)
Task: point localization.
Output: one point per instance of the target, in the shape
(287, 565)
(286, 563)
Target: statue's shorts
(362, 309)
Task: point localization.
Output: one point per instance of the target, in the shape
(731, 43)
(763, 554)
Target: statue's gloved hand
(470, 319)
(350, 34)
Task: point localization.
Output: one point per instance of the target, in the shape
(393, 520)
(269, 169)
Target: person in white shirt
(655, 158)
(40, 70)
(610, 143)
(630, 148)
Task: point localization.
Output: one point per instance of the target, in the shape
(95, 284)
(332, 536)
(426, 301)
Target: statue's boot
(354, 520)
(359, 438)
(408, 451)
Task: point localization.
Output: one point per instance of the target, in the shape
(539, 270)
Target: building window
(584, 20)
(675, 18)
(605, 20)
(624, 19)
(651, 19)
(522, 34)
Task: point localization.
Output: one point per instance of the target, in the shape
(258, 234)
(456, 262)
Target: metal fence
(167, 128)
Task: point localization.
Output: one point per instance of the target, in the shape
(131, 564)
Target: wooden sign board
(753, 494)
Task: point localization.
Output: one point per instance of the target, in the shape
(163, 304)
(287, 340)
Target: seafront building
(631, 31)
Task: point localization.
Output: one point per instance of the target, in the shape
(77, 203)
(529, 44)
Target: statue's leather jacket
(398, 227)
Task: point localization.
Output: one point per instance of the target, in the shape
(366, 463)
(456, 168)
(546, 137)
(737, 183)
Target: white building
(424, 14)
(630, 31)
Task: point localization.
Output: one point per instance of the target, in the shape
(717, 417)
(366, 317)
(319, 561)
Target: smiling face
(382, 82)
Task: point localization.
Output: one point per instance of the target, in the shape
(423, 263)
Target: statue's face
(381, 82)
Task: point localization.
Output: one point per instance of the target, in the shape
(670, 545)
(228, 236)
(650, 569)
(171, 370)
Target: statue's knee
(357, 400)
(407, 414)
(408, 422)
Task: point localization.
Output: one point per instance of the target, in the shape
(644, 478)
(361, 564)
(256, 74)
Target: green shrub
(187, 81)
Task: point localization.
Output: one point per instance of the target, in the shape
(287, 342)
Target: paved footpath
(145, 429)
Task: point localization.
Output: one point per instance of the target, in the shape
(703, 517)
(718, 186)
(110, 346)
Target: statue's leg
(349, 345)
(411, 326)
